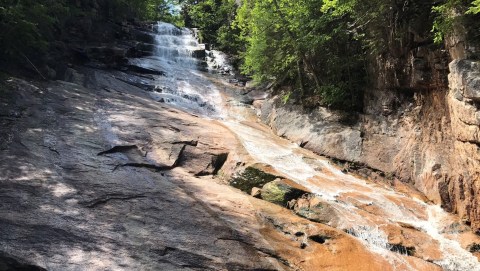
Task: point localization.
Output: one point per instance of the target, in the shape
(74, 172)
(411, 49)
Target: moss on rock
(251, 177)
(279, 192)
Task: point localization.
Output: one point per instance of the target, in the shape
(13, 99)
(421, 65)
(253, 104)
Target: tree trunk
(303, 56)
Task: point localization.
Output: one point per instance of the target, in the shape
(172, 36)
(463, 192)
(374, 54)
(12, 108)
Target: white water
(429, 218)
(192, 90)
(184, 85)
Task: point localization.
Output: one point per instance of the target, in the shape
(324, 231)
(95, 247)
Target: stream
(367, 210)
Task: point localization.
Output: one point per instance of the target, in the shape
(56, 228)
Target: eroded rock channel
(163, 166)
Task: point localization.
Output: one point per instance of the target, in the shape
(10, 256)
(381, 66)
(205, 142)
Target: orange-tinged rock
(335, 250)
(424, 247)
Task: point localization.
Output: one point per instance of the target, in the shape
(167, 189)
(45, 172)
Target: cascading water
(364, 209)
(184, 85)
(176, 45)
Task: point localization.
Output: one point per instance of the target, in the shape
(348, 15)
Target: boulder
(199, 53)
(314, 209)
(280, 192)
(202, 162)
(251, 177)
(73, 76)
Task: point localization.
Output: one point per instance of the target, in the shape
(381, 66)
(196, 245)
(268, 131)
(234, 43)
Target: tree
(295, 41)
(475, 7)
(27, 25)
(214, 20)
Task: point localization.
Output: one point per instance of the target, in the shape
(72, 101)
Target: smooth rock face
(465, 74)
(92, 179)
(318, 130)
(323, 132)
(461, 185)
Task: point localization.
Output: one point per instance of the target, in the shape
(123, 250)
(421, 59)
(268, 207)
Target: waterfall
(176, 45)
(185, 86)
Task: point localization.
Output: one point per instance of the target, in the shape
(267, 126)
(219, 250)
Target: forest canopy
(321, 48)
(29, 25)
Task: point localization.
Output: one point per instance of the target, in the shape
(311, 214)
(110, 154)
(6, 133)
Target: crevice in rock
(180, 157)
(467, 123)
(154, 167)
(145, 165)
(87, 165)
(473, 142)
(143, 70)
(51, 149)
(398, 248)
(120, 148)
(185, 258)
(274, 255)
(218, 162)
(192, 143)
(212, 168)
(166, 251)
(173, 128)
(473, 248)
(201, 173)
(140, 85)
(234, 239)
(105, 199)
(321, 239)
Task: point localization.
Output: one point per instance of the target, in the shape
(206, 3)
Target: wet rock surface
(430, 141)
(314, 208)
(101, 176)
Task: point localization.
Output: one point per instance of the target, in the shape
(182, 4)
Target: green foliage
(27, 25)
(454, 12)
(474, 8)
(214, 20)
(305, 42)
(286, 97)
(142, 9)
(446, 14)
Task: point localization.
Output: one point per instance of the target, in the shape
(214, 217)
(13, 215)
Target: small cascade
(176, 45)
(179, 55)
(365, 210)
